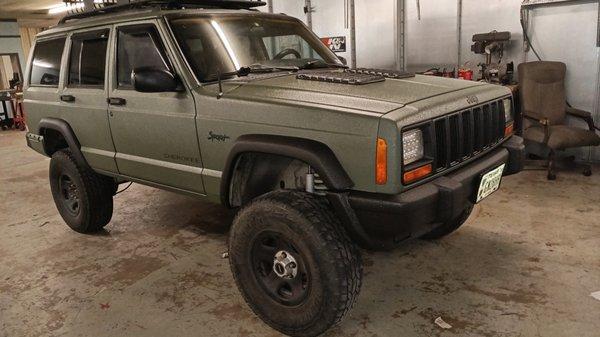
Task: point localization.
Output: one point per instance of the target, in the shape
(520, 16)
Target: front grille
(462, 135)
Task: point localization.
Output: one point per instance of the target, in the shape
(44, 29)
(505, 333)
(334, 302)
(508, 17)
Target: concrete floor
(523, 265)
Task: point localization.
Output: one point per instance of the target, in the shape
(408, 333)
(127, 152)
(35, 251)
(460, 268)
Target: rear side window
(87, 60)
(45, 69)
(138, 47)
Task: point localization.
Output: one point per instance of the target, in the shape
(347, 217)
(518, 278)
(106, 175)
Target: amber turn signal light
(381, 162)
(418, 173)
(508, 129)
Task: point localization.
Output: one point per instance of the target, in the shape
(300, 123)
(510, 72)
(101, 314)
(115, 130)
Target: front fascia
(392, 123)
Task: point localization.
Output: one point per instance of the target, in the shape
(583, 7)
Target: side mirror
(155, 80)
(343, 59)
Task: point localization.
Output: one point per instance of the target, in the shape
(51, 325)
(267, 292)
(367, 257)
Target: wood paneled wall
(27, 38)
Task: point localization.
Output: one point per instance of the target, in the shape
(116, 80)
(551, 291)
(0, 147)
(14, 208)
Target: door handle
(116, 101)
(67, 98)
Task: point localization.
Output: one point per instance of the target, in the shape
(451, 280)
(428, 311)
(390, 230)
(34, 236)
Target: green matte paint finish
(164, 139)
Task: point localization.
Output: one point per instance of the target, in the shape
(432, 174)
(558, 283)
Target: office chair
(545, 110)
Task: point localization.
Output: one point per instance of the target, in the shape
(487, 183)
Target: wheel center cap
(284, 265)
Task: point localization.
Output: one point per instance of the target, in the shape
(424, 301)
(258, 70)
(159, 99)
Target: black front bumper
(381, 221)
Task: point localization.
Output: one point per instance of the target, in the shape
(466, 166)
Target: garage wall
(10, 40)
(431, 40)
(375, 34)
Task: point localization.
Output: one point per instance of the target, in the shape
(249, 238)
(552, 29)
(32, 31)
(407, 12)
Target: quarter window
(138, 47)
(45, 68)
(88, 59)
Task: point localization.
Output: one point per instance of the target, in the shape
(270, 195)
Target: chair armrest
(578, 113)
(586, 116)
(534, 116)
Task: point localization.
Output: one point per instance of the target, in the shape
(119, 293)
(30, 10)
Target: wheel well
(255, 174)
(53, 141)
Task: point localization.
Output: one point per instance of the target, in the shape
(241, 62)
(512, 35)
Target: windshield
(225, 44)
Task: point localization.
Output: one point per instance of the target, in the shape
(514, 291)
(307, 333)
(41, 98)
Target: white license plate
(490, 182)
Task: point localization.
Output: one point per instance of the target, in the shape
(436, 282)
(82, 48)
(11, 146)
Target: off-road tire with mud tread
(335, 261)
(94, 193)
(450, 226)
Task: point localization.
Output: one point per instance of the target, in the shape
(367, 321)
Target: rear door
(43, 80)
(83, 97)
(154, 133)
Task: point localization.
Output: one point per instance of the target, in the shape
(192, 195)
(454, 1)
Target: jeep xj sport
(215, 99)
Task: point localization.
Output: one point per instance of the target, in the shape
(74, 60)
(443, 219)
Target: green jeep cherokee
(216, 99)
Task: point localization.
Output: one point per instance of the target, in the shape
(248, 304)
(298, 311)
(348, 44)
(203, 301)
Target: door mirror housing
(154, 80)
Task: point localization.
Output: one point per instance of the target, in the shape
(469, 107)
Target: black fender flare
(66, 131)
(314, 153)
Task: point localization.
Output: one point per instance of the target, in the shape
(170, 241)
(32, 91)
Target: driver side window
(138, 47)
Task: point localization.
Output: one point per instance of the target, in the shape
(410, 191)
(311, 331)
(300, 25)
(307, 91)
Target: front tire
(450, 226)
(83, 197)
(293, 263)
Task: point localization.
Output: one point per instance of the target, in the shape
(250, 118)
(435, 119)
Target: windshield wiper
(315, 64)
(260, 68)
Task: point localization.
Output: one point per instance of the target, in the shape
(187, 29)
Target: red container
(465, 74)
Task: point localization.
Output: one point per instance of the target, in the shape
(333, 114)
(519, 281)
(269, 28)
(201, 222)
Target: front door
(154, 133)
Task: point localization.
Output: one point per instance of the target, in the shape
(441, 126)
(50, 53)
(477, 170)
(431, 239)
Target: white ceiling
(29, 12)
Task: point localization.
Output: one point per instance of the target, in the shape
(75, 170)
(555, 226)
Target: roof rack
(166, 4)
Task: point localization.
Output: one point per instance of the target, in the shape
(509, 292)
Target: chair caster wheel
(551, 176)
(587, 172)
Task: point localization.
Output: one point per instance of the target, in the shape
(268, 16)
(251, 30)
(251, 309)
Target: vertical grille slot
(495, 122)
(455, 139)
(440, 144)
(487, 126)
(467, 125)
(478, 129)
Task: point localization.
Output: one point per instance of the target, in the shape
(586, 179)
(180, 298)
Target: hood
(379, 97)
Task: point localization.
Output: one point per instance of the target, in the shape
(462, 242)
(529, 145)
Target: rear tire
(450, 226)
(83, 197)
(320, 274)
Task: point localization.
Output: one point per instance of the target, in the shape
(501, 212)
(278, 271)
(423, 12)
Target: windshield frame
(169, 18)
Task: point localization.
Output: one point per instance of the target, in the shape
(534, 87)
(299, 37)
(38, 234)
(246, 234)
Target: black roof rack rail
(170, 4)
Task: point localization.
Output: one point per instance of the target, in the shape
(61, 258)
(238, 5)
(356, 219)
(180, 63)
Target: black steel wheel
(293, 262)
(279, 268)
(69, 194)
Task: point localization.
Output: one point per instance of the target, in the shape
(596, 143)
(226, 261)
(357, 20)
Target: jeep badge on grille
(472, 99)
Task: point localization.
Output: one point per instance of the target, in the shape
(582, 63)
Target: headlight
(412, 146)
(508, 113)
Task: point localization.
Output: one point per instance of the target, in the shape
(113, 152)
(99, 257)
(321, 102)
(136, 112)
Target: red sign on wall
(337, 44)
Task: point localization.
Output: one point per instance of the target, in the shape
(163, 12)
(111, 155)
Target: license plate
(490, 182)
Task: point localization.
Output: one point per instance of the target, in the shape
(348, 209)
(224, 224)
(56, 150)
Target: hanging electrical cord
(526, 37)
(125, 189)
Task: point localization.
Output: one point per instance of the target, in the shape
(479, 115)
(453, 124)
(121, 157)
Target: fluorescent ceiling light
(64, 7)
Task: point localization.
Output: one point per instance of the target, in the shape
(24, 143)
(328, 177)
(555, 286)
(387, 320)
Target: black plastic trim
(66, 131)
(314, 153)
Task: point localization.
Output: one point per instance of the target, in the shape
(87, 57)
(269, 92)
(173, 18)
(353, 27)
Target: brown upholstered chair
(544, 109)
